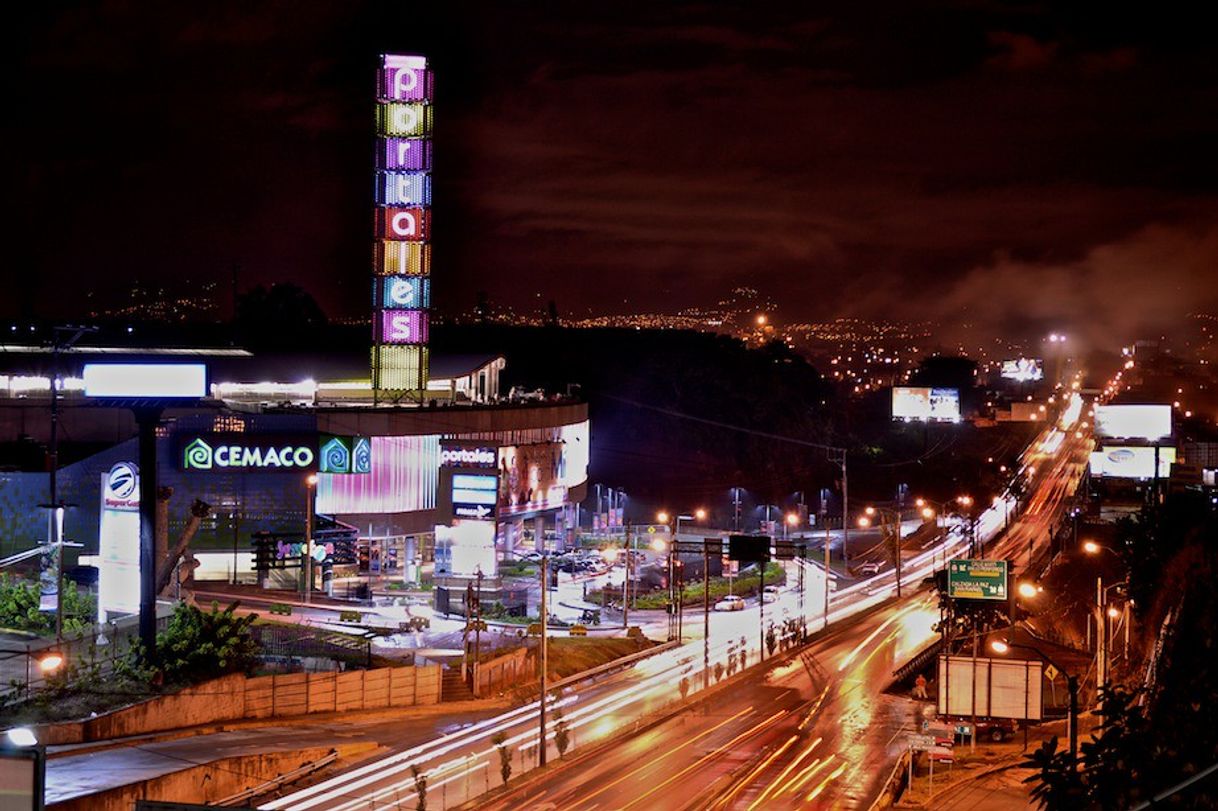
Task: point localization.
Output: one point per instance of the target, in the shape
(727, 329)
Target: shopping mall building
(461, 478)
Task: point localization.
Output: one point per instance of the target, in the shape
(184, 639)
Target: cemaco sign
(266, 453)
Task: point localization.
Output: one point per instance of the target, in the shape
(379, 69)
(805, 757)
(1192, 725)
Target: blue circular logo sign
(122, 480)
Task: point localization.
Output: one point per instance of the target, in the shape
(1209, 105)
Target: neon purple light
(406, 153)
(404, 326)
(404, 78)
(403, 479)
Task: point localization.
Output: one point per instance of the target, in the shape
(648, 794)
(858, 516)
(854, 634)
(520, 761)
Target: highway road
(815, 729)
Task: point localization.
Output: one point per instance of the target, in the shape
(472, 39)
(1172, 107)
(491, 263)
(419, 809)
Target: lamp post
(886, 515)
(1101, 616)
(1003, 645)
(310, 484)
(545, 585)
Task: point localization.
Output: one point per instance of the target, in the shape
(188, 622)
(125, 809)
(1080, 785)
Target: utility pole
(478, 624)
(706, 615)
(825, 614)
(626, 582)
(54, 505)
(545, 585)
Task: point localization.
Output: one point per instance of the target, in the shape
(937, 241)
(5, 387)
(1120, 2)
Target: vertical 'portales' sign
(401, 287)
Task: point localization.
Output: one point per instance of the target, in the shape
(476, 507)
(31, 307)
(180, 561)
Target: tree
(562, 735)
(505, 756)
(683, 686)
(420, 787)
(771, 639)
(198, 645)
(275, 318)
(718, 671)
(20, 607)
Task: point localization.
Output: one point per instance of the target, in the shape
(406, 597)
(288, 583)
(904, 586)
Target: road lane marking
(690, 742)
(707, 757)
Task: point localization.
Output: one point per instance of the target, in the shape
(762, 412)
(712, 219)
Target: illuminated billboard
(401, 291)
(1148, 422)
(925, 404)
(140, 381)
(1023, 370)
(1127, 462)
(531, 478)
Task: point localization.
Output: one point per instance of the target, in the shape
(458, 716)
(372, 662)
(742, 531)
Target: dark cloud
(631, 156)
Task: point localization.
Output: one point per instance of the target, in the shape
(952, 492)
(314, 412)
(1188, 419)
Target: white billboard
(990, 688)
(145, 380)
(1023, 370)
(118, 554)
(1125, 462)
(1149, 422)
(927, 404)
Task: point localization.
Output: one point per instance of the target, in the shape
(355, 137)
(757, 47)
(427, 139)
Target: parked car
(731, 602)
(869, 569)
(995, 730)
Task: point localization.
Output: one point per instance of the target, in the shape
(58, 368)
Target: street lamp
(1001, 646)
(1028, 589)
(791, 522)
(50, 662)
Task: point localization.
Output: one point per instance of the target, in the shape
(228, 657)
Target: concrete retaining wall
(199, 784)
(237, 697)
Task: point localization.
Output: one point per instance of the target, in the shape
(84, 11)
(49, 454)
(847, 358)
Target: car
(731, 602)
(995, 730)
(869, 569)
(769, 594)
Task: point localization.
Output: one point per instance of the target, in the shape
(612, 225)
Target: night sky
(1003, 165)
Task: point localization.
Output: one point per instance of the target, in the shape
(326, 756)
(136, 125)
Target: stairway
(453, 687)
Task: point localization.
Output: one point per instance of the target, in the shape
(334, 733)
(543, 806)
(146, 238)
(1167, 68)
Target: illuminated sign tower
(401, 284)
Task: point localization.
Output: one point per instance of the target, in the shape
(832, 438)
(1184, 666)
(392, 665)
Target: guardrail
(628, 659)
(276, 782)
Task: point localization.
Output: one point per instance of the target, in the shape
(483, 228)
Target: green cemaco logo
(198, 455)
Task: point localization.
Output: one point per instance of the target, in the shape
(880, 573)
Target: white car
(730, 603)
(769, 594)
(870, 568)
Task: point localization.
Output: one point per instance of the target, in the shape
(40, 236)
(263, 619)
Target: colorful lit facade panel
(401, 292)
(397, 120)
(400, 368)
(403, 188)
(404, 326)
(402, 258)
(411, 224)
(405, 82)
(402, 477)
(405, 154)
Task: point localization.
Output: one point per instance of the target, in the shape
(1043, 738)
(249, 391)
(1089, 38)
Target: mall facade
(450, 485)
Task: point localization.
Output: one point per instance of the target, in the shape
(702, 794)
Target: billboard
(402, 190)
(1023, 370)
(977, 579)
(1148, 422)
(531, 477)
(925, 404)
(991, 688)
(145, 380)
(1126, 462)
(118, 553)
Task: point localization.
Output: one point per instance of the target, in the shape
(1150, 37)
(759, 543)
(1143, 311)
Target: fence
(514, 668)
(238, 697)
(100, 643)
(304, 642)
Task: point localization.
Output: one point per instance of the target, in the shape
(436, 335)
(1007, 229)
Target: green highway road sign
(977, 579)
